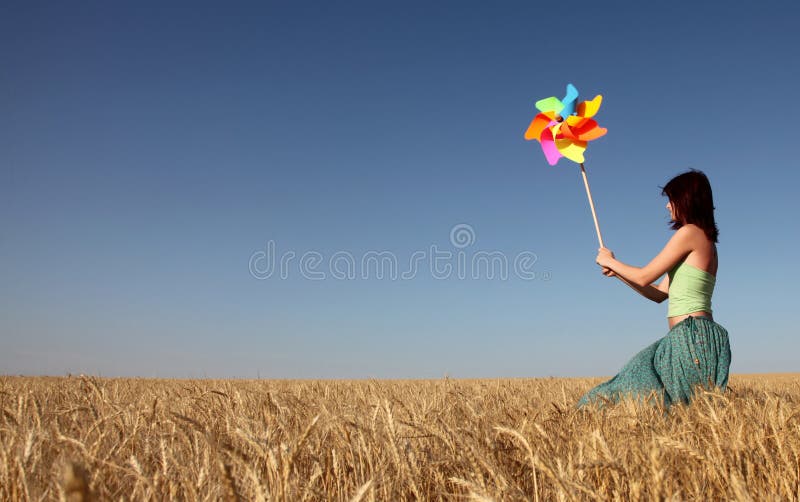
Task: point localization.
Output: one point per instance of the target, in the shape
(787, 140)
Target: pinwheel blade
(585, 131)
(538, 124)
(549, 148)
(551, 104)
(593, 133)
(589, 108)
(571, 149)
(566, 132)
(569, 101)
(555, 129)
(575, 120)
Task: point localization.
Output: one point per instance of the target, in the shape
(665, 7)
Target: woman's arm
(674, 251)
(651, 292)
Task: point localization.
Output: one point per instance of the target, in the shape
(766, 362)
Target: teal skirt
(696, 351)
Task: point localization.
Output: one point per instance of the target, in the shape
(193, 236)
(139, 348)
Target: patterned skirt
(695, 352)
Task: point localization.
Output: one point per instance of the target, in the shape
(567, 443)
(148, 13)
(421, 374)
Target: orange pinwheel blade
(586, 131)
(538, 124)
(566, 132)
(593, 133)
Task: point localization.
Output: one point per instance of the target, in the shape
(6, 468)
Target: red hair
(692, 202)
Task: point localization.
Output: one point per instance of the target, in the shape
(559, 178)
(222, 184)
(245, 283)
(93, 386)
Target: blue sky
(149, 153)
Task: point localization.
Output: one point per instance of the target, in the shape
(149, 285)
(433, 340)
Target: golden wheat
(84, 438)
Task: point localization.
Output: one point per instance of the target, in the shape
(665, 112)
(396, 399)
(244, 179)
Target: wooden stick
(591, 204)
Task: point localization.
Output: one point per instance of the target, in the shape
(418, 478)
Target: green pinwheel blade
(551, 104)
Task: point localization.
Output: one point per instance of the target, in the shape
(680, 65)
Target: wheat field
(87, 438)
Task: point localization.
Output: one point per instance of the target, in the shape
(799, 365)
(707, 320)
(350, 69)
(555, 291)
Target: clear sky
(153, 158)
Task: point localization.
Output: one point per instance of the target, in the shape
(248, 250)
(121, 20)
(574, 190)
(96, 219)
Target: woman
(696, 349)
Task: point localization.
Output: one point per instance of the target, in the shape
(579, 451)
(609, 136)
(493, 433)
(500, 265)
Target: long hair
(692, 202)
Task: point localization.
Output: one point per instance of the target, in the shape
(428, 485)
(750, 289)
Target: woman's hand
(604, 258)
(608, 272)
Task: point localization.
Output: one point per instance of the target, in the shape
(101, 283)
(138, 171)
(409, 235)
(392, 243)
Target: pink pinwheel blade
(551, 153)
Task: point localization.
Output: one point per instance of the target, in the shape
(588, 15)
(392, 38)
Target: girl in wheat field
(695, 351)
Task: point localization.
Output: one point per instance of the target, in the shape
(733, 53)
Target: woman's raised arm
(674, 251)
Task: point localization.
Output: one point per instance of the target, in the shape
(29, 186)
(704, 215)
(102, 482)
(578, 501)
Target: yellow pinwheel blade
(571, 149)
(588, 109)
(575, 120)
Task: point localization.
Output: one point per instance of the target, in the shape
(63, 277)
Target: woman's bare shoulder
(697, 233)
(704, 252)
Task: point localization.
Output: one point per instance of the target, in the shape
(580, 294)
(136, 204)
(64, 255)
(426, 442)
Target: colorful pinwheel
(563, 129)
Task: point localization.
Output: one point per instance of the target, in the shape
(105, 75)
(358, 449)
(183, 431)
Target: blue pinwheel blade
(569, 101)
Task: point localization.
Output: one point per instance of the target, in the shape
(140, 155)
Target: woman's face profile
(671, 211)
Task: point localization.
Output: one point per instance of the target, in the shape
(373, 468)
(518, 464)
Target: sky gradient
(148, 154)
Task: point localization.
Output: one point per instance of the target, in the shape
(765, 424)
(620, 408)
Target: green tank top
(690, 290)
